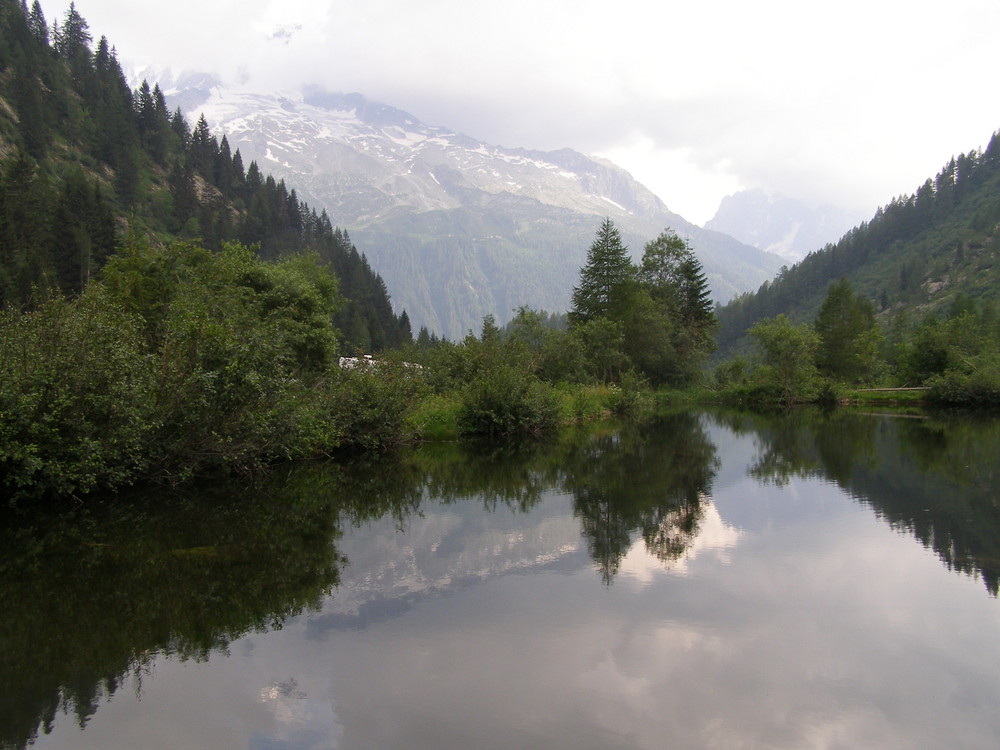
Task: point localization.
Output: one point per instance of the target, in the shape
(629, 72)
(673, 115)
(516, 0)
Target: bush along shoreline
(181, 363)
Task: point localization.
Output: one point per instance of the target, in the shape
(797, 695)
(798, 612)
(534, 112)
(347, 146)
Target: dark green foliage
(604, 279)
(496, 377)
(183, 362)
(603, 343)
(25, 229)
(674, 281)
(977, 384)
(505, 399)
(238, 343)
(76, 398)
(656, 318)
(918, 252)
(786, 361)
(551, 352)
(848, 336)
(83, 234)
(370, 405)
(906, 299)
(123, 158)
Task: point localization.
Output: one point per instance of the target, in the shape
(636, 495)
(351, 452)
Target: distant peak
(367, 111)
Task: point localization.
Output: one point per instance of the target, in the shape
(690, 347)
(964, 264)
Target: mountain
(87, 164)
(779, 224)
(458, 228)
(925, 254)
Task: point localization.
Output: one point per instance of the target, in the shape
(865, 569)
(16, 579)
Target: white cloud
(851, 103)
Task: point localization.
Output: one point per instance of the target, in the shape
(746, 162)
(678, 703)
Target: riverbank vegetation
(181, 363)
(847, 356)
(167, 314)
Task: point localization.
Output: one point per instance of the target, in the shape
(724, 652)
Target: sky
(850, 103)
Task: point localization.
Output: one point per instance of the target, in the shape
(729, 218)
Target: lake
(702, 580)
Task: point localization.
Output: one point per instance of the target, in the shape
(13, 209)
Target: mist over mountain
(779, 224)
(456, 227)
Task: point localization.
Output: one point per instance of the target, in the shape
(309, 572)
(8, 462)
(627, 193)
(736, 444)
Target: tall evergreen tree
(36, 22)
(72, 42)
(673, 278)
(604, 279)
(848, 336)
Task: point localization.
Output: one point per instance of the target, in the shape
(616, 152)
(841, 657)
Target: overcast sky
(850, 103)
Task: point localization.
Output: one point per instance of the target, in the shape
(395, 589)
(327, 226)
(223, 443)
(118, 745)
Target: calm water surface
(704, 581)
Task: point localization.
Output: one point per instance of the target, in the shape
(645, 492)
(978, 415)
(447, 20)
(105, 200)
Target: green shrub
(369, 406)
(629, 396)
(240, 346)
(505, 400)
(75, 398)
(979, 385)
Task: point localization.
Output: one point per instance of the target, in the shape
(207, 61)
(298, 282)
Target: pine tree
(72, 42)
(36, 22)
(604, 279)
(848, 336)
(204, 149)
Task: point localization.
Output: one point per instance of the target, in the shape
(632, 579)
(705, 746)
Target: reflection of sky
(795, 620)
(714, 537)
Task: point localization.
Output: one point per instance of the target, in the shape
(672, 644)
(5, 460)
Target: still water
(700, 581)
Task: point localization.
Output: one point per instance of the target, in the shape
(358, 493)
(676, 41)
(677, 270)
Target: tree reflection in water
(935, 478)
(651, 479)
(90, 599)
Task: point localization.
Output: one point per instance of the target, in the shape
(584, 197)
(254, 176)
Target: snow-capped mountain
(361, 160)
(456, 227)
(780, 225)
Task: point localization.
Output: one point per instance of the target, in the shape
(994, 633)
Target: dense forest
(906, 299)
(920, 253)
(86, 163)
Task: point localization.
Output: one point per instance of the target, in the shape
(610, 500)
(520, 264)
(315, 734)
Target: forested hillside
(86, 163)
(920, 255)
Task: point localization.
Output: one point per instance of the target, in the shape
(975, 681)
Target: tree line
(920, 250)
(956, 356)
(90, 161)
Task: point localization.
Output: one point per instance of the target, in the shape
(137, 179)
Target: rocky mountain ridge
(457, 228)
(781, 225)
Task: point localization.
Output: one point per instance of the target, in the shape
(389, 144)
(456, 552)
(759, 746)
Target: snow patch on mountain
(458, 228)
(315, 139)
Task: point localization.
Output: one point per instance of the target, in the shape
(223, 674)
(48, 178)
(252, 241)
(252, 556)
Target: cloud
(285, 33)
(850, 104)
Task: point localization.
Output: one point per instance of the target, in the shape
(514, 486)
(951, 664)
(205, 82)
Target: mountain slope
(918, 254)
(458, 228)
(86, 162)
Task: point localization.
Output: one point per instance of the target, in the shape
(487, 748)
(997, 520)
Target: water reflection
(651, 479)
(95, 599)
(935, 478)
(88, 599)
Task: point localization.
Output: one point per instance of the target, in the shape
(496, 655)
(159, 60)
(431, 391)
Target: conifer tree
(848, 336)
(604, 279)
(36, 23)
(204, 149)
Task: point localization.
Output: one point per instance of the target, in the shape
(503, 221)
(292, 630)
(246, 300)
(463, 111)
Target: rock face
(457, 228)
(780, 225)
